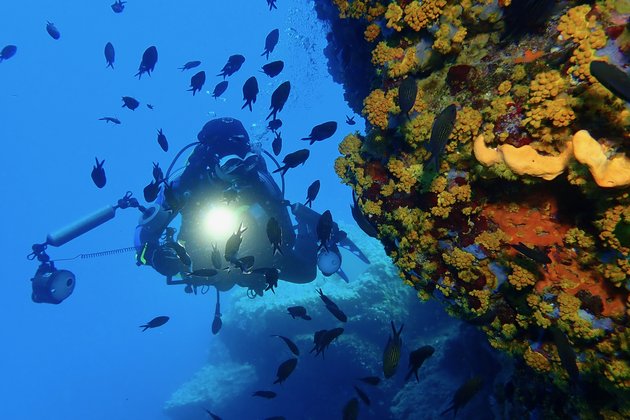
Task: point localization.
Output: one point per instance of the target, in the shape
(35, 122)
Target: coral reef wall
(523, 226)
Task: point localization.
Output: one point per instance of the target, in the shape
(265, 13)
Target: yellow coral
(378, 105)
(618, 372)
(520, 278)
(419, 15)
(404, 66)
(459, 259)
(537, 361)
(491, 241)
(372, 207)
(350, 145)
(504, 87)
(467, 124)
(382, 54)
(393, 15)
(372, 32)
(407, 175)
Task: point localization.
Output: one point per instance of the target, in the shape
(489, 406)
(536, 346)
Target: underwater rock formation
(525, 227)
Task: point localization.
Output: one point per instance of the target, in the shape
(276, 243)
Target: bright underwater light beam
(220, 223)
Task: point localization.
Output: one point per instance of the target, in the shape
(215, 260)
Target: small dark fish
(216, 257)
(197, 81)
(322, 132)
(274, 125)
(149, 106)
(362, 221)
(162, 141)
(273, 69)
(250, 90)
(220, 88)
(274, 234)
(110, 55)
(534, 254)
(311, 193)
(190, 65)
(158, 175)
(245, 264)
(338, 313)
(323, 339)
(391, 355)
(614, 79)
(233, 64)
(110, 119)
(407, 92)
(270, 42)
(464, 394)
(371, 380)
(151, 191)
(350, 120)
(181, 253)
(294, 349)
(327, 301)
(324, 229)
(265, 394)
(52, 30)
(217, 323)
(212, 415)
(118, 6)
(566, 353)
(272, 5)
(155, 322)
(298, 311)
(147, 64)
(362, 395)
(292, 160)
(285, 369)
(233, 244)
(98, 174)
(271, 278)
(203, 272)
(130, 103)
(351, 410)
(276, 144)
(7, 52)
(440, 132)
(417, 358)
(279, 98)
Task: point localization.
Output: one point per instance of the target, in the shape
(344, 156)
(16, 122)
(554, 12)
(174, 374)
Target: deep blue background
(86, 358)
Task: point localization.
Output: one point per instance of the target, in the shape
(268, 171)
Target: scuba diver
(223, 201)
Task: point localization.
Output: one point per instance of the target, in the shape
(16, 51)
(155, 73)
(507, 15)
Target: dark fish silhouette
(272, 5)
(162, 141)
(294, 349)
(233, 64)
(276, 144)
(324, 229)
(190, 65)
(323, 338)
(311, 193)
(371, 380)
(273, 69)
(197, 81)
(130, 103)
(151, 191)
(322, 132)
(155, 322)
(149, 106)
(274, 125)
(220, 88)
(285, 369)
(534, 254)
(391, 355)
(52, 30)
(274, 234)
(351, 410)
(362, 221)
(110, 119)
(217, 260)
(147, 64)
(416, 359)
(233, 244)
(212, 415)
(350, 120)
(292, 160)
(265, 394)
(271, 278)
(566, 353)
(118, 6)
(158, 175)
(440, 132)
(362, 395)
(250, 90)
(110, 55)
(7, 52)
(217, 323)
(279, 98)
(270, 42)
(407, 92)
(298, 311)
(332, 307)
(614, 79)
(464, 394)
(244, 264)
(98, 174)
(181, 253)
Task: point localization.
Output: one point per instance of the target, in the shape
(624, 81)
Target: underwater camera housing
(51, 285)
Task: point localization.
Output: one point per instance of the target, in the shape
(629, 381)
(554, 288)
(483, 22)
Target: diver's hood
(233, 166)
(226, 136)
